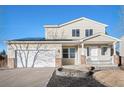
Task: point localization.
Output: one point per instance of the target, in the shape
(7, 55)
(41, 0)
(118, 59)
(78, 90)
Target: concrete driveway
(25, 77)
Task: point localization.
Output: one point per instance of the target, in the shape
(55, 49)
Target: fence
(122, 60)
(3, 61)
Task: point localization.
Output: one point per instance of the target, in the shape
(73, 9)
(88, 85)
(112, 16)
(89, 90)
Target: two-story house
(80, 41)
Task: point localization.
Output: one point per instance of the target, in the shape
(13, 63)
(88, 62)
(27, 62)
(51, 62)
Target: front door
(69, 55)
(94, 53)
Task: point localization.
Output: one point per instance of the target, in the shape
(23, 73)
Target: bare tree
(35, 56)
(20, 49)
(24, 50)
(16, 48)
(27, 54)
(55, 34)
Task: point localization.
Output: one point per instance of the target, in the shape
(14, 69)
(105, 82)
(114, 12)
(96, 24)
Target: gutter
(44, 42)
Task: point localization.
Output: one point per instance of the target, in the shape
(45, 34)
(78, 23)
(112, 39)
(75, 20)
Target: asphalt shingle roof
(39, 39)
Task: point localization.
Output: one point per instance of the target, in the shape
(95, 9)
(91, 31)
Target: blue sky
(28, 21)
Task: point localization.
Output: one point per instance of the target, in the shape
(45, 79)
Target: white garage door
(42, 58)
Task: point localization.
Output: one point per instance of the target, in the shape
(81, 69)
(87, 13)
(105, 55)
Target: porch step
(106, 67)
(102, 63)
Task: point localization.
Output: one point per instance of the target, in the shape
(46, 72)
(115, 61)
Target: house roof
(39, 39)
(75, 20)
(29, 39)
(100, 37)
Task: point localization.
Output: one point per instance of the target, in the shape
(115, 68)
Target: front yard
(111, 78)
(58, 81)
(42, 77)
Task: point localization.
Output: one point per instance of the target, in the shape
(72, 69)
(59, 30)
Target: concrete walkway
(28, 77)
(111, 78)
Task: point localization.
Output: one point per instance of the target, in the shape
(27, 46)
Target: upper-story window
(88, 32)
(75, 32)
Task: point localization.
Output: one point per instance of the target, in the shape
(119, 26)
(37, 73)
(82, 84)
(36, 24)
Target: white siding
(44, 58)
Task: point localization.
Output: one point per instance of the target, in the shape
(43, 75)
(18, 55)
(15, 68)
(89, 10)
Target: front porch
(101, 53)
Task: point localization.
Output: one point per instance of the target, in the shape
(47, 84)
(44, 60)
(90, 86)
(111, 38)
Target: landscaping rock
(61, 81)
(60, 69)
(72, 73)
(81, 71)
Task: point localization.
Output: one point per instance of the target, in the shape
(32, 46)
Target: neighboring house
(80, 41)
(122, 49)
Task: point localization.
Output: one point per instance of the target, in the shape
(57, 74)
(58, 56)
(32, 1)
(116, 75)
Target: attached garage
(34, 53)
(33, 58)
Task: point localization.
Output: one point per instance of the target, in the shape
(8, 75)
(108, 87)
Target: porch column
(115, 56)
(82, 49)
(78, 55)
(114, 47)
(83, 57)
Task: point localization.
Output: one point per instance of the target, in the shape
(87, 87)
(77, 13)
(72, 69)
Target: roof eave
(96, 21)
(44, 42)
(81, 18)
(49, 26)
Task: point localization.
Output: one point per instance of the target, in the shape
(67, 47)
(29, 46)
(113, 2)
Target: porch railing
(99, 59)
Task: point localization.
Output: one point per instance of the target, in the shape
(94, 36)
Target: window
(88, 51)
(75, 32)
(72, 52)
(65, 53)
(69, 53)
(88, 32)
(103, 50)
